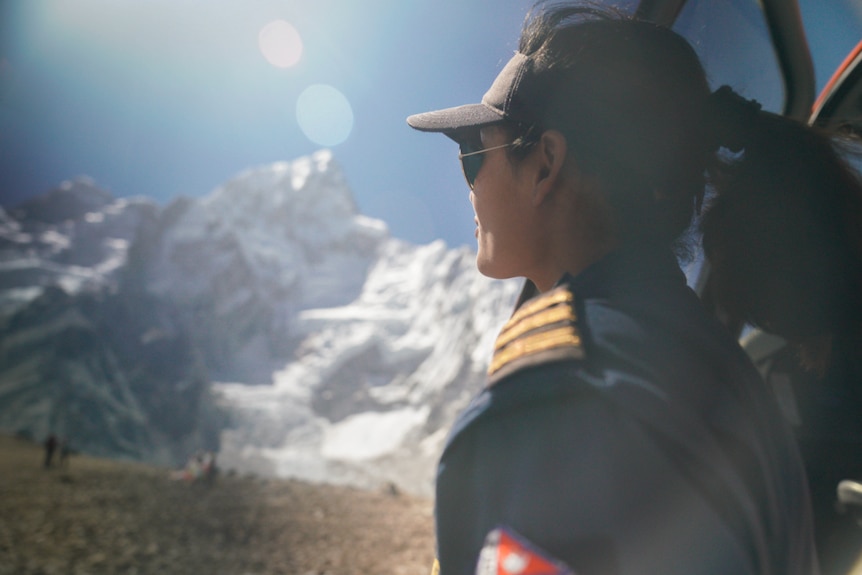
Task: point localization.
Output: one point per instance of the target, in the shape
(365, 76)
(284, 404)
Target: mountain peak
(307, 200)
(71, 200)
(284, 181)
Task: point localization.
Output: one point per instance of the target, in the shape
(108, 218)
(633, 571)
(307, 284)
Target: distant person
(209, 467)
(622, 429)
(50, 448)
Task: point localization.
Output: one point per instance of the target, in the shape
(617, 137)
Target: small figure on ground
(50, 448)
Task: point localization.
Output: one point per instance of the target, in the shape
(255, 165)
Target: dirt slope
(107, 517)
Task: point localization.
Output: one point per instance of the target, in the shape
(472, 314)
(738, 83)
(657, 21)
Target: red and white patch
(507, 553)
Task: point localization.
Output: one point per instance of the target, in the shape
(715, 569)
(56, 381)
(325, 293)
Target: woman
(622, 430)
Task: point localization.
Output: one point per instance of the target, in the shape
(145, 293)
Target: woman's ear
(550, 155)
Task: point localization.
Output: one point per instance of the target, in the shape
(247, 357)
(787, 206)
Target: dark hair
(783, 237)
(784, 229)
(629, 97)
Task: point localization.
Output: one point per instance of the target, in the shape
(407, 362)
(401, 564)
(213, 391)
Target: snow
(420, 315)
(368, 345)
(372, 434)
(55, 239)
(15, 298)
(75, 254)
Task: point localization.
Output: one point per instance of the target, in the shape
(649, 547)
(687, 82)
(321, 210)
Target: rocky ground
(107, 517)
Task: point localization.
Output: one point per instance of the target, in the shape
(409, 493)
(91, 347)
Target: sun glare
(324, 115)
(280, 44)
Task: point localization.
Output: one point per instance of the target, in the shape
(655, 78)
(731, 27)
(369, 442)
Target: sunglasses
(471, 156)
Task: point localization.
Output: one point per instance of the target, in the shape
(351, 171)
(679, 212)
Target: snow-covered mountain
(75, 237)
(116, 372)
(339, 353)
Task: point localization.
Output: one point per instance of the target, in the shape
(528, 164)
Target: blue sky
(172, 97)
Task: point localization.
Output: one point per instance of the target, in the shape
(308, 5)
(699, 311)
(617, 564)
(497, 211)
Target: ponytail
(783, 230)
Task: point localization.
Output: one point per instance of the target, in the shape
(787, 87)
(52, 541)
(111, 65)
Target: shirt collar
(622, 270)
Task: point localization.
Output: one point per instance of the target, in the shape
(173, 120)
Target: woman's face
(502, 202)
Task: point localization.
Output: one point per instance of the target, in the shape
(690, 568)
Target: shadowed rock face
(72, 200)
(117, 375)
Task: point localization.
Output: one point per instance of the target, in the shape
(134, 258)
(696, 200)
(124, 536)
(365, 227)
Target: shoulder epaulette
(543, 329)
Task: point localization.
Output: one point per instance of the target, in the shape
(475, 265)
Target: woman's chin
(484, 266)
(487, 268)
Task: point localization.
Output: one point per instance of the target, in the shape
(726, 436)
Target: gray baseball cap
(510, 97)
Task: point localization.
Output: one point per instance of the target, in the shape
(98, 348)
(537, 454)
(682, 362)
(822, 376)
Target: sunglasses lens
(471, 164)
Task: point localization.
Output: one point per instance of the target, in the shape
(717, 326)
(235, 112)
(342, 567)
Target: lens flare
(280, 44)
(324, 115)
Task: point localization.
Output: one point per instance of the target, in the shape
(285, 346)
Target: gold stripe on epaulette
(541, 319)
(566, 336)
(554, 297)
(546, 323)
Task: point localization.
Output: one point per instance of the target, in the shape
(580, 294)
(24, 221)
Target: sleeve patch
(542, 329)
(507, 553)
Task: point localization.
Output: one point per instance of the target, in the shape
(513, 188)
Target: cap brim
(453, 120)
